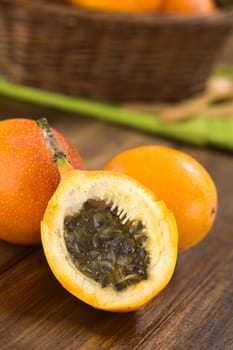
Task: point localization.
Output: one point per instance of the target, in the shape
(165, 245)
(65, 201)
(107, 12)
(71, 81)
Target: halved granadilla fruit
(106, 238)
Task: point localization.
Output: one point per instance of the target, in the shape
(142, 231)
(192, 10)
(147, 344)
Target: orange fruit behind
(28, 178)
(189, 7)
(177, 179)
(121, 5)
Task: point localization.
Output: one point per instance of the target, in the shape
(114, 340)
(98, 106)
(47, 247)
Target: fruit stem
(58, 156)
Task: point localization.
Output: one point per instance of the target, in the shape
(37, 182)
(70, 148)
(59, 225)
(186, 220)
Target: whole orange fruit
(28, 178)
(189, 7)
(121, 5)
(180, 181)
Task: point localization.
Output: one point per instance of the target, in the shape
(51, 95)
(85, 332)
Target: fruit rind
(72, 192)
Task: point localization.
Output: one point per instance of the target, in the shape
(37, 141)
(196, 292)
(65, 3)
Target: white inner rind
(139, 205)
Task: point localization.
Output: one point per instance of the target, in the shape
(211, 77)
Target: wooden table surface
(195, 311)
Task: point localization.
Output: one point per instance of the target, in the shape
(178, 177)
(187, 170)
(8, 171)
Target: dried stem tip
(58, 156)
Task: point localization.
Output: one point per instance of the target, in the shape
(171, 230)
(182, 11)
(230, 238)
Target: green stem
(200, 130)
(58, 156)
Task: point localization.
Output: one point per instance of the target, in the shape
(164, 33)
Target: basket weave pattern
(116, 57)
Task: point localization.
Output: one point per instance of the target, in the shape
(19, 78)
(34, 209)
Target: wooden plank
(36, 312)
(10, 254)
(11, 108)
(203, 319)
(193, 312)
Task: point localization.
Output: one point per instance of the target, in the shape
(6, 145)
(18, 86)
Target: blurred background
(152, 61)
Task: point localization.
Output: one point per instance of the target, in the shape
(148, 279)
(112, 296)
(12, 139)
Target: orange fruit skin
(28, 178)
(121, 5)
(180, 181)
(189, 7)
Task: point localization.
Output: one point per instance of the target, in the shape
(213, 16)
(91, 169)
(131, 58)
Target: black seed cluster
(104, 249)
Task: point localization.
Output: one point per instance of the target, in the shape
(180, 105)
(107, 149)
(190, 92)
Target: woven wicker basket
(108, 56)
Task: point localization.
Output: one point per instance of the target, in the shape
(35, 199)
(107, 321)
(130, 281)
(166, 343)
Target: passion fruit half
(106, 238)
